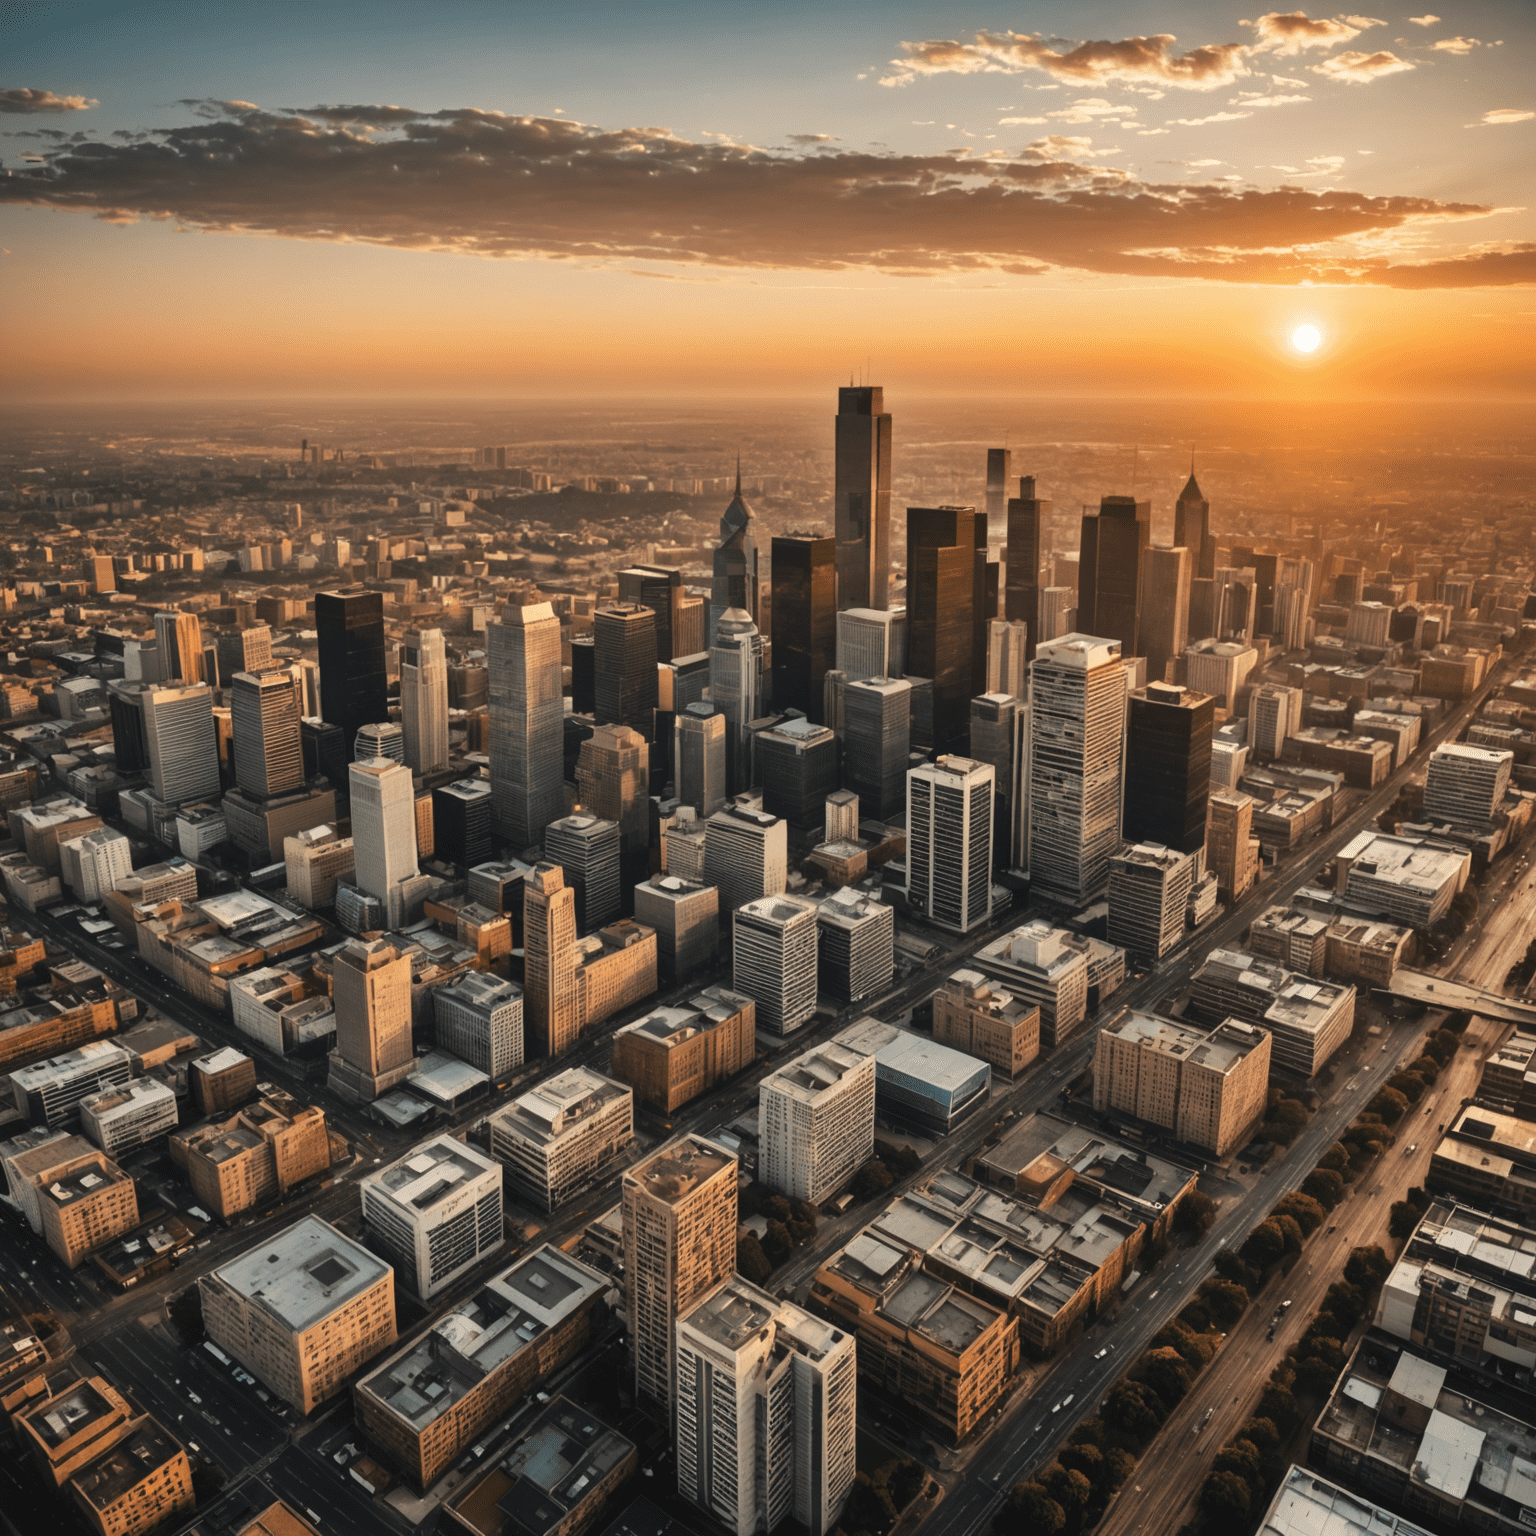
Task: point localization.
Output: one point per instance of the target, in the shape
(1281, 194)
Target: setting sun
(1306, 338)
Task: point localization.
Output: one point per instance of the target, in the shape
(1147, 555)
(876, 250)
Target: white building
(124, 1118)
(384, 837)
(774, 959)
(816, 1121)
(436, 1212)
(1149, 888)
(50, 1092)
(1464, 785)
(871, 642)
(480, 1019)
(856, 944)
(561, 1136)
(1045, 966)
(92, 865)
(1412, 880)
(424, 700)
(766, 1408)
(183, 748)
(746, 855)
(949, 841)
(1219, 668)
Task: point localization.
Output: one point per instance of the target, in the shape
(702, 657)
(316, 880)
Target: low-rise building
(32, 1026)
(1487, 1159)
(1295, 939)
(921, 1085)
(50, 1092)
(563, 1135)
(480, 1019)
(1047, 967)
(675, 1054)
(84, 1202)
(1308, 1020)
(1306, 1504)
(1367, 952)
(1411, 880)
(70, 1428)
(973, 1015)
(138, 1485)
(1508, 1083)
(1364, 761)
(222, 1080)
(257, 1154)
(125, 1118)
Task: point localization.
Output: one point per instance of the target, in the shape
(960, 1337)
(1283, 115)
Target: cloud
(1291, 32)
(1131, 60)
(26, 99)
(1423, 21)
(477, 183)
(1215, 117)
(1360, 68)
(1457, 45)
(1501, 117)
(1058, 146)
(808, 139)
(1266, 101)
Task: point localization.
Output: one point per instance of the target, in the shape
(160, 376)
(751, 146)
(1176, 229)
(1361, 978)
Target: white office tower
(1076, 759)
(527, 722)
(179, 640)
(1274, 716)
(736, 689)
(1058, 607)
(746, 854)
(382, 738)
(871, 642)
(92, 865)
(1149, 888)
(767, 1398)
(436, 1213)
(384, 837)
(183, 746)
(264, 723)
(1465, 785)
(480, 1019)
(949, 841)
(424, 700)
(773, 960)
(698, 758)
(1008, 657)
(1369, 624)
(816, 1121)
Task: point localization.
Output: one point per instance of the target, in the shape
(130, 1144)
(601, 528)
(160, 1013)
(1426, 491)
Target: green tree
(1262, 1434)
(1194, 1214)
(1225, 1302)
(1226, 1501)
(1303, 1210)
(1230, 1266)
(1133, 1410)
(1367, 1269)
(1030, 1508)
(1167, 1374)
(1278, 1406)
(1316, 1375)
(1239, 1456)
(1291, 1232)
(1336, 1158)
(1290, 1112)
(1087, 1459)
(1324, 1186)
(1426, 1067)
(751, 1260)
(1344, 1302)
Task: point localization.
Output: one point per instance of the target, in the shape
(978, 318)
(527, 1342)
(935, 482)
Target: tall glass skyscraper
(424, 700)
(527, 710)
(804, 621)
(862, 497)
(349, 627)
(946, 573)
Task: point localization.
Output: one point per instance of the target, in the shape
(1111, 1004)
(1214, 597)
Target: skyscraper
(246, 650)
(463, 823)
(679, 1222)
(797, 768)
(862, 497)
(736, 687)
(773, 959)
(999, 472)
(613, 782)
(1114, 544)
(183, 749)
(871, 642)
(1008, 655)
(625, 666)
(380, 738)
(804, 574)
(746, 854)
(384, 836)
(949, 841)
(527, 720)
(264, 715)
(424, 700)
(1076, 759)
(1028, 520)
(659, 588)
(551, 999)
(698, 758)
(587, 848)
(1192, 529)
(877, 736)
(1149, 888)
(179, 638)
(1164, 609)
(371, 985)
(734, 584)
(1231, 847)
(945, 576)
(1168, 784)
(349, 626)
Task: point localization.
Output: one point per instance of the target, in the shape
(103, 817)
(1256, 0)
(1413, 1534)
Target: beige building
(256, 1155)
(563, 1135)
(816, 1121)
(302, 1311)
(278, 1520)
(138, 1485)
(1231, 849)
(675, 1054)
(1206, 1089)
(67, 1430)
(1048, 967)
(85, 1203)
(982, 1019)
(679, 1218)
(371, 984)
(316, 860)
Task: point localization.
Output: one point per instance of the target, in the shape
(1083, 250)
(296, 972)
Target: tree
(1419, 1198)
(806, 1213)
(776, 1243)
(776, 1208)
(871, 1179)
(1231, 1267)
(1166, 1373)
(751, 1260)
(1031, 1508)
(1324, 1186)
(1087, 1459)
(1336, 1158)
(1239, 1456)
(1441, 1046)
(1426, 1067)
(1262, 1434)
(1303, 1210)
(1278, 1406)
(1294, 1241)
(1133, 1410)
(1265, 1246)
(1071, 1490)
(1225, 1302)
(1290, 1112)
(1402, 1219)
(1226, 1501)
(1409, 1084)
(1343, 1302)
(186, 1314)
(1194, 1214)
(1367, 1268)
(1316, 1375)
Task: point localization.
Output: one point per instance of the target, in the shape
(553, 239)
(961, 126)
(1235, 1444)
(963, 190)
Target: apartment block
(143, 1481)
(480, 1019)
(972, 1015)
(316, 860)
(856, 939)
(774, 959)
(1149, 889)
(1046, 967)
(563, 1135)
(221, 1080)
(258, 1154)
(1487, 1159)
(1295, 939)
(123, 1119)
(1465, 785)
(1232, 851)
(70, 1427)
(816, 1121)
(675, 1054)
(1308, 1020)
(746, 855)
(85, 1203)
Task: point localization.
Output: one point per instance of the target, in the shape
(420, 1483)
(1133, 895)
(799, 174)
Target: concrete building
(766, 1412)
(220, 1080)
(84, 1202)
(1045, 967)
(183, 749)
(1306, 1503)
(698, 757)
(816, 1121)
(371, 984)
(315, 861)
(428, 1404)
(1308, 1020)
(480, 1019)
(983, 1020)
(736, 670)
(1274, 715)
(424, 700)
(921, 1085)
(679, 1224)
(552, 997)
(675, 1054)
(1367, 952)
(1487, 1159)
(463, 823)
(124, 1119)
(301, 1311)
(1410, 880)
(526, 721)
(856, 937)
(72, 1425)
(871, 642)
(1295, 939)
(1208, 1090)
(589, 849)
(746, 855)
(142, 1482)
(93, 864)
(1149, 890)
(774, 960)
(795, 761)
(949, 841)
(1232, 851)
(50, 1092)
(1220, 668)
(1466, 785)
(384, 838)
(436, 1212)
(686, 917)
(877, 741)
(258, 1154)
(562, 1136)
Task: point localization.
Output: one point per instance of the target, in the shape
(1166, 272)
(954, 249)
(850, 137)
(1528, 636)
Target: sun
(1306, 338)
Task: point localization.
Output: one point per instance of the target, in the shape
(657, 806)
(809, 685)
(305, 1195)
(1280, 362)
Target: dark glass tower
(946, 578)
(1192, 529)
(1114, 549)
(659, 588)
(1026, 574)
(804, 620)
(625, 665)
(862, 492)
(1168, 750)
(349, 625)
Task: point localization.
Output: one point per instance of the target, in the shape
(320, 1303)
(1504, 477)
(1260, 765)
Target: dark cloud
(487, 184)
(26, 99)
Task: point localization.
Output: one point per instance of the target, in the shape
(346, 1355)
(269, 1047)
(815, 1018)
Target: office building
(862, 497)
(699, 757)
(921, 1086)
(840, 821)
(871, 642)
(144, 1481)
(221, 1079)
(734, 583)
(746, 855)
(804, 620)
(972, 1015)
(436, 1212)
(371, 986)
(1487, 1159)
(552, 1000)
(384, 838)
(1297, 939)
(259, 1154)
(1409, 880)
(946, 621)
(50, 1092)
(179, 640)
(479, 1018)
(316, 859)
(625, 666)
(736, 689)
(1149, 890)
(1205, 1089)
(949, 841)
(856, 937)
(83, 1203)
(613, 784)
(264, 715)
(1169, 734)
(126, 1118)
(1219, 668)
(562, 1136)
(877, 743)
(527, 715)
(816, 1121)
(686, 917)
(349, 624)
(65, 1428)
(1113, 567)
(588, 849)
(301, 1311)
(1076, 764)
(428, 1404)
(1028, 531)
(93, 864)
(773, 959)
(1047, 967)
(424, 700)
(1309, 1020)
(675, 1054)
(1008, 655)
(1466, 785)
(1232, 851)
(766, 1412)
(125, 709)
(464, 823)
(1164, 624)
(243, 650)
(796, 763)
(660, 588)
(1192, 529)
(183, 749)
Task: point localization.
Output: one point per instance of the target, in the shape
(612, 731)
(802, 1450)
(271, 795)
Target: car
(1413, 1147)
(192, 1397)
(1066, 1402)
(1102, 1353)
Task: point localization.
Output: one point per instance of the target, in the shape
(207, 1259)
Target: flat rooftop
(129, 1463)
(63, 1417)
(820, 1068)
(303, 1274)
(1308, 1505)
(431, 1172)
(677, 1170)
(559, 1103)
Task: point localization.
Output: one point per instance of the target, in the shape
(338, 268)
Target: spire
(1191, 491)
(738, 474)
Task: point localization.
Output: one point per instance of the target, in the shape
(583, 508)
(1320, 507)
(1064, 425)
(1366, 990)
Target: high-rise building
(773, 958)
(686, 917)
(949, 841)
(1008, 655)
(804, 620)
(552, 1000)
(1274, 715)
(1232, 851)
(736, 689)
(1076, 761)
(563, 1135)
(464, 822)
(349, 625)
(613, 782)
(735, 578)
(1028, 524)
(997, 735)
(871, 642)
(93, 864)
(424, 700)
(946, 622)
(1219, 668)
(1465, 785)
(877, 735)
(244, 650)
(660, 588)
(679, 1215)
(526, 721)
(316, 859)
(480, 1019)
(1168, 752)
(589, 850)
(746, 855)
(384, 837)
(698, 757)
(1114, 552)
(841, 820)
(379, 738)
(179, 639)
(766, 1412)
(1149, 888)
(999, 473)
(130, 741)
(436, 1212)
(1192, 529)
(264, 715)
(183, 749)
(817, 1121)
(862, 497)
(371, 985)
(1164, 609)
(625, 666)
(855, 942)
(796, 763)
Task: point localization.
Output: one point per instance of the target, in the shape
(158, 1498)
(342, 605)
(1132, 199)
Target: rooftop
(1308, 1505)
(431, 1171)
(820, 1068)
(126, 1465)
(559, 1102)
(679, 1168)
(303, 1274)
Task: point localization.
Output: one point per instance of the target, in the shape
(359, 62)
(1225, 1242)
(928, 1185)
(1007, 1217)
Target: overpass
(1438, 992)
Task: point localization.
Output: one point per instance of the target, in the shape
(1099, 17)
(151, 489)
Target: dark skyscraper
(1026, 574)
(999, 472)
(659, 588)
(1192, 529)
(625, 666)
(1115, 540)
(804, 620)
(946, 576)
(862, 490)
(1168, 749)
(735, 574)
(349, 626)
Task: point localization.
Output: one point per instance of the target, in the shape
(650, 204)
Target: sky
(523, 199)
